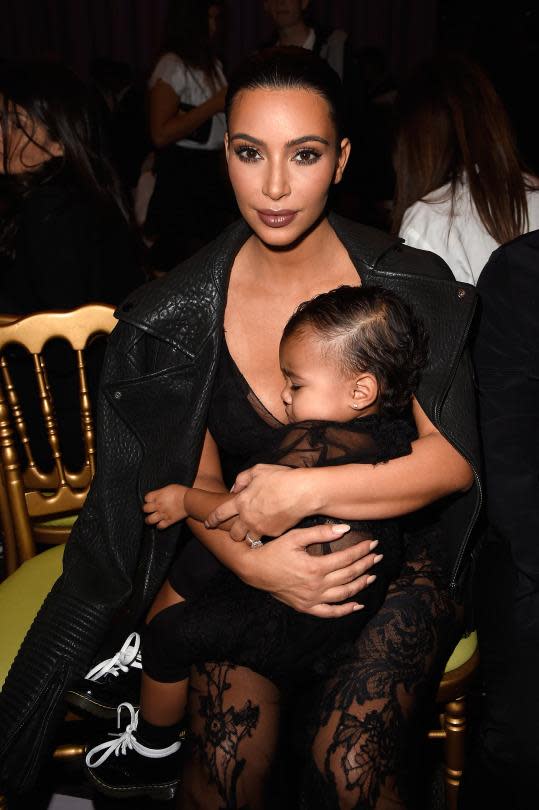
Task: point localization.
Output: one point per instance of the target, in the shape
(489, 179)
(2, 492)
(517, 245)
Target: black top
(246, 433)
(69, 250)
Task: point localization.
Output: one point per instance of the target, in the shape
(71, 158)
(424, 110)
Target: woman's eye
(248, 154)
(294, 387)
(306, 156)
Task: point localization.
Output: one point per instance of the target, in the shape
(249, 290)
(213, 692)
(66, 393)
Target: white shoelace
(126, 740)
(127, 656)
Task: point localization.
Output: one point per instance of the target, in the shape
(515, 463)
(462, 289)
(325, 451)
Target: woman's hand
(311, 584)
(268, 500)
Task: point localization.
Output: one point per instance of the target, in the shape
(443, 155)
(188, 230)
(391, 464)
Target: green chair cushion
(462, 652)
(66, 521)
(21, 596)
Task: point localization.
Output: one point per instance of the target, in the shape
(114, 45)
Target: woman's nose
(276, 183)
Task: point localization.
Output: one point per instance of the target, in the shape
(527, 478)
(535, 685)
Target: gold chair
(40, 506)
(460, 672)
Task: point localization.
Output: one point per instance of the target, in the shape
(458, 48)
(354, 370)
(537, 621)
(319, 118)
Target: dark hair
(187, 34)
(369, 329)
(290, 68)
(451, 121)
(51, 95)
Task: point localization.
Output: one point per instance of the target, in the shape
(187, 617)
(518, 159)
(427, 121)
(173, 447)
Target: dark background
(504, 39)
(130, 30)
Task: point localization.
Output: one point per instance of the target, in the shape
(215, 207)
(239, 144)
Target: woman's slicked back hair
(290, 68)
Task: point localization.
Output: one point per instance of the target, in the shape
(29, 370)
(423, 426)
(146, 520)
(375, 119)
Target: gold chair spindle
(86, 414)
(48, 415)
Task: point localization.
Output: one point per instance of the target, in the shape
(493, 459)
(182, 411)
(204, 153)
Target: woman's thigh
(370, 718)
(233, 717)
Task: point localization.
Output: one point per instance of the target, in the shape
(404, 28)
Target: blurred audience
(191, 202)
(65, 233)
(461, 189)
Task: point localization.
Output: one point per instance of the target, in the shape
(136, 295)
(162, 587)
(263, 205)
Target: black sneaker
(135, 771)
(109, 683)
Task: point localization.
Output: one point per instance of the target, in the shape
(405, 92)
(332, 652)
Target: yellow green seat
(21, 596)
(462, 652)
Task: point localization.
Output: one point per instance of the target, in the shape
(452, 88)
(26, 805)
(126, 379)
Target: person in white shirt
(292, 29)
(187, 89)
(461, 189)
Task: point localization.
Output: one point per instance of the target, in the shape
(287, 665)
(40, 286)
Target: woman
(461, 190)
(65, 239)
(185, 349)
(187, 90)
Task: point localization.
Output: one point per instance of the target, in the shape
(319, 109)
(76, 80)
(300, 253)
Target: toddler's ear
(365, 392)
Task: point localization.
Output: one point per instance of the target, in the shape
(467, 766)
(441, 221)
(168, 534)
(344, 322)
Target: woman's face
(283, 157)
(286, 13)
(24, 144)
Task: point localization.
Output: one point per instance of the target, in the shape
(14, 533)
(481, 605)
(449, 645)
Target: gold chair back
(31, 497)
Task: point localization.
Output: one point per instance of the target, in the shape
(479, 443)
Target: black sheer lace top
(242, 427)
(246, 433)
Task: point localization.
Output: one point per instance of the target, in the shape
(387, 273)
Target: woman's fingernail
(373, 545)
(378, 558)
(206, 524)
(359, 607)
(371, 578)
(232, 487)
(341, 528)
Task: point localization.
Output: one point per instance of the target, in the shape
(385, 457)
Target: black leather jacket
(154, 397)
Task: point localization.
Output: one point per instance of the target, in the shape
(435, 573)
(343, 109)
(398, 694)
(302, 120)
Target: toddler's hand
(165, 506)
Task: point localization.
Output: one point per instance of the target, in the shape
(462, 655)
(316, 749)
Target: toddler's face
(315, 386)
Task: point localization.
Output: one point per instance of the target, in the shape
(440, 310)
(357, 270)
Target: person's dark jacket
(154, 399)
(69, 250)
(506, 355)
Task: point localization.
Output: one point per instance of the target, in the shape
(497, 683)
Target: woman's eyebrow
(243, 136)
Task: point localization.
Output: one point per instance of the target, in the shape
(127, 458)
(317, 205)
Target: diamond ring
(252, 541)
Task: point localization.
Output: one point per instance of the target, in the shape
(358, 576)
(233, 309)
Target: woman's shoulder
(169, 69)
(196, 288)
(381, 252)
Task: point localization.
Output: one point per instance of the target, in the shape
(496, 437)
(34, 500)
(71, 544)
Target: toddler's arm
(175, 502)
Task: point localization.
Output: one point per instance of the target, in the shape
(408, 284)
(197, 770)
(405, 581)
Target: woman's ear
(365, 392)
(342, 159)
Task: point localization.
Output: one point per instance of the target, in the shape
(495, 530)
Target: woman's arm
(168, 124)
(269, 499)
(282, 567)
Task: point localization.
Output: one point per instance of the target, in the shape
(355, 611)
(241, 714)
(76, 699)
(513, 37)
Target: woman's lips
(277, 219)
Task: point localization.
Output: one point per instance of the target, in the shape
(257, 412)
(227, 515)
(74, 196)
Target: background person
(461, 189)
(190, 203)
(504, 762)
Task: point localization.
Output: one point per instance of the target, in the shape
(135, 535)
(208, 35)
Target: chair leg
(455, 742)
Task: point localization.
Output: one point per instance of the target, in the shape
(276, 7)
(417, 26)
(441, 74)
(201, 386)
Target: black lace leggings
(360, 744)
